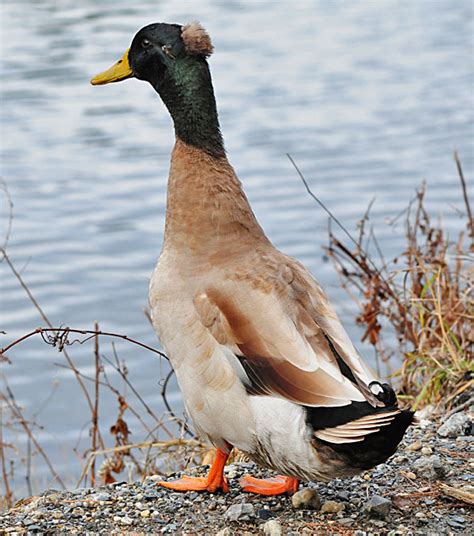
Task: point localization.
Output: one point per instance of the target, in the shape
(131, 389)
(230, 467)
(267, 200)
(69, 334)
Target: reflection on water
(369, 98)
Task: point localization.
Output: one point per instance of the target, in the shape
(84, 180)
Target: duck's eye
(146, 43)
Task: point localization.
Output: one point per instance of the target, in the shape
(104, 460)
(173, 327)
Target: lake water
(370, 98)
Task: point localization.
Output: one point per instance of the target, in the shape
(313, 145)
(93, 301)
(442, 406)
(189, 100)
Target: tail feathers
(366, 450)
(355, 431)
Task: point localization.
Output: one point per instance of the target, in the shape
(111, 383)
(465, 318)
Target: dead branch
(466, 198)
(60, 339)
(16, 411)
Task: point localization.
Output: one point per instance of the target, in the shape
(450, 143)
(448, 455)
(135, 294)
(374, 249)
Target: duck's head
(172, 58)
(158, 50)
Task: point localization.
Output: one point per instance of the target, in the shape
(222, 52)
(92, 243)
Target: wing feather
(290, 356)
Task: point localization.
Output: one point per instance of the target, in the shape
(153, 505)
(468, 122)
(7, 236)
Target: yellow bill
(119, 71)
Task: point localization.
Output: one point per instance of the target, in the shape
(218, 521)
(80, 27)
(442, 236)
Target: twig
(61, 341)
(168, 407)
(365, 257)
(95, 413)
(143, 445)
(46, 319)
(8, 492)
(4, 187)
(28, 467)
(464, 193)
(116, 392)
(15, 409)
(135, 392)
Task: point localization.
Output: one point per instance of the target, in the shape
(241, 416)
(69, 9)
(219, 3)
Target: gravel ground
(426, 488)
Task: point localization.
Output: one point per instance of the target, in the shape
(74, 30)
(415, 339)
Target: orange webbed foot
(190, 483)
(270, 486)
(214, 481)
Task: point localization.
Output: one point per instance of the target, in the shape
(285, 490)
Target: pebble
(100, 497)
(224, 532)
(413, 447)
(240, 512)
(343, 496)
(378, 507)
(145, 508)
(454, 426)
(265, 513)
(272, 528)
(332, 507)
(346, 521)
(306, 498)
(429, 467)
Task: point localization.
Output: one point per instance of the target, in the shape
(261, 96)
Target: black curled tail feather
(384, 393)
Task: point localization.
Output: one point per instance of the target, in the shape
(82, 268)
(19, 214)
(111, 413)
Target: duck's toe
(270, 486)
(190, 483)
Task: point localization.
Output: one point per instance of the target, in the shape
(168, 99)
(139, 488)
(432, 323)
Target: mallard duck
(263, 362)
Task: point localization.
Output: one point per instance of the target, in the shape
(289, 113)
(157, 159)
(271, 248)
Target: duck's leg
(212, 482)
(270, 486)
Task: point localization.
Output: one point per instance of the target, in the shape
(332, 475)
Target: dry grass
(423, 299)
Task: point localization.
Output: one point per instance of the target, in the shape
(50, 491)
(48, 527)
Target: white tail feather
(355, 431)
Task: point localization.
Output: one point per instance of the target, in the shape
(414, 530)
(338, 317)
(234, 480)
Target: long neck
(188, 94)
(207, 212)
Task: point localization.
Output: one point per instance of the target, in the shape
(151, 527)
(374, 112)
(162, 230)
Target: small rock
(429, 467)
(416, 445)
(265, 513)
(331, 507)
(306, 498)
(426, 413)
(126, 520)
(102, 496)
(272, 528)
(410, 475)
(153, 478)
(150, 495)
(224, 532)
(377, 506)
(427, 451)
(212, 506)
(455, 426)
(343, 496)
(346, 521)
(230, 471)
(145, 513)
(242, 512)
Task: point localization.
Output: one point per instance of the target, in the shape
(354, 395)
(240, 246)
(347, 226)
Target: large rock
(429, 467)
(240, 512)
(306, 498)
(455, 426)
(378, 507)
(272, 528)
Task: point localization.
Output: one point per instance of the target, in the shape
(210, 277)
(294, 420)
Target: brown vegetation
(423, 299)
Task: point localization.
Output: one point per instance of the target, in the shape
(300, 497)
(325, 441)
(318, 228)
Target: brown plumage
(261, 357)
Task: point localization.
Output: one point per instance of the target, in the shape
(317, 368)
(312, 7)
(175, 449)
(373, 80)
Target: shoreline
(427, 487)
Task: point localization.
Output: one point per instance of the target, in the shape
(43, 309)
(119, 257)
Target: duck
(262, 360)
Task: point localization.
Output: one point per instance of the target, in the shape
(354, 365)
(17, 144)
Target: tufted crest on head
(196, 40)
